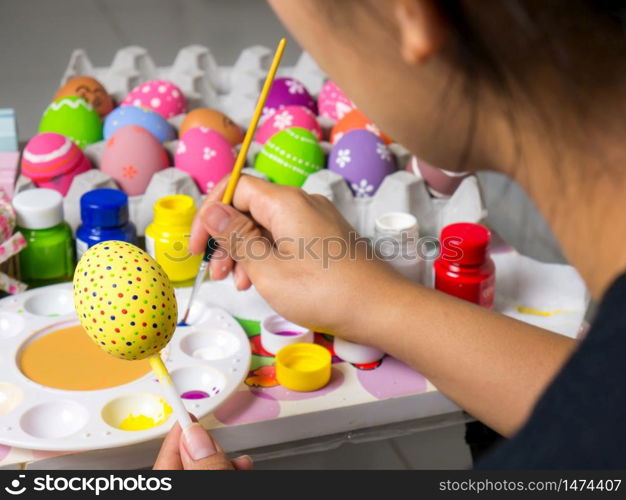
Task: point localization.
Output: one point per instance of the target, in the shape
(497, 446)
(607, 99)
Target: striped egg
(290, 156)
(72, 117)
(124, 300)
(52, 161)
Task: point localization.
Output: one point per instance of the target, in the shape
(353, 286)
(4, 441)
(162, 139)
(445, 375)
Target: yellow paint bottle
(167, 238)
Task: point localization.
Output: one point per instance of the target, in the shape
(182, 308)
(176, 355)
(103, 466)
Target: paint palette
(57, 393)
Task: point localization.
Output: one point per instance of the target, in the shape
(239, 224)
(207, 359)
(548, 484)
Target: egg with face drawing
(124, 300)
(131, 157)
(89, 89)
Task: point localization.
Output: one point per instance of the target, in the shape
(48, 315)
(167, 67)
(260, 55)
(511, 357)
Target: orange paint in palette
(67, 359)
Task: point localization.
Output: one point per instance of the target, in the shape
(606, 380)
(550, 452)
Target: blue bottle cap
(104, 208)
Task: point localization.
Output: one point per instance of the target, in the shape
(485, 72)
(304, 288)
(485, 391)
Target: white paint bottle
(396, 240)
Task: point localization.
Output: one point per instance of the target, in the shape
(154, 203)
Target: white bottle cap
(38, 208)
(277, 332)
(397, 225)
(355, 353)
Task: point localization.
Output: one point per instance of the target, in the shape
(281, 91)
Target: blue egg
(144, 118)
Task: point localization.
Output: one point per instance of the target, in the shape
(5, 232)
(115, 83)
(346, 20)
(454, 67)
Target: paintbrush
(236, 174)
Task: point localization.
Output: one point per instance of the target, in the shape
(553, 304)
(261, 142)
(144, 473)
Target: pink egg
(131, 157)
(52, 161)
(288, 117)
(333, 103)
(205, 155)
(158, 95)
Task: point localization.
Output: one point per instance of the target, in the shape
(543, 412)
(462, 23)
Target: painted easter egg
(124, 300)
(72, 117)
(52, 161)
(333, 103)
(158, 95)
(363, 159)
(131, 157)
(290, 157)
(89, 89)
(205, 155)
(354, 120)
(288, 117)
(213, 119)
(441, 183)
(288, 92)
(152, 121)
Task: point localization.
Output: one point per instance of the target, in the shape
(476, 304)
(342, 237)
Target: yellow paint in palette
(537, 312)
(144, 422)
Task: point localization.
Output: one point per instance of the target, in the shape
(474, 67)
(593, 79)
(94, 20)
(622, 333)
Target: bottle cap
(303, 367)
(465, 243)
(355, 353)
(175, 210)
(38, 208)
(104, 208)
(397, 225)
(277, 332)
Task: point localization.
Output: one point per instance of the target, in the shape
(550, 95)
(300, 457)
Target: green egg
(290, 156)
(72, 117)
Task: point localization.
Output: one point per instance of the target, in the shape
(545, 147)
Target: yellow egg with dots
(124, 300)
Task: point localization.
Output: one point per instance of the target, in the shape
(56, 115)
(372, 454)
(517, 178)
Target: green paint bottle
(49, 255)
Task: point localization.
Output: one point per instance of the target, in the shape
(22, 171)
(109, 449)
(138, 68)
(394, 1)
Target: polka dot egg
(158, 95)
(333, 103)
(124, 300)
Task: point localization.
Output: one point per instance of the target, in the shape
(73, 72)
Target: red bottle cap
(465, 243)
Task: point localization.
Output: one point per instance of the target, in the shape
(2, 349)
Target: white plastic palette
(212, 356)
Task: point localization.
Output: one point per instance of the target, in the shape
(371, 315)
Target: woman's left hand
(195, 449)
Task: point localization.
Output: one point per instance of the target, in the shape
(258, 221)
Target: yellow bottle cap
(175, 210)
(303, 367)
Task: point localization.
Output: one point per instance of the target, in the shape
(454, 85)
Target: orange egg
(355, 119)
(215, 120)
(89, 89)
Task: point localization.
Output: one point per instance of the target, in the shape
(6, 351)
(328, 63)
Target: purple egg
(363, 160)
(288, 92)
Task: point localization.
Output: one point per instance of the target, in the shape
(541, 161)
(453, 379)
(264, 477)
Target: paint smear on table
(68, 359)
(144, 422)
(537, 312)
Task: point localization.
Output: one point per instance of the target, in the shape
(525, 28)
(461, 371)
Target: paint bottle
(396, 237)
(464, 268)
(49, 255)
(104, 216)
(167, 237)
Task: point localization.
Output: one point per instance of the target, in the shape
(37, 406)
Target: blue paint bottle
(104, 215)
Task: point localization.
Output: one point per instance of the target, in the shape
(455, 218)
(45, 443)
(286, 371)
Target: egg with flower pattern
(124, 300)
(131, 157)
(363, 160)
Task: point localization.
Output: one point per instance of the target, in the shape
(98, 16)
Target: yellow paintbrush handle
(243, 152)
(172, 397)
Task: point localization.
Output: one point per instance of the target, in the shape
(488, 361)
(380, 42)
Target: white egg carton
(212, 355)
(234, 91)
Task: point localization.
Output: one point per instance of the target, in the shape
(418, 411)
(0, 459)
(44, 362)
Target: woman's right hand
(299, 252)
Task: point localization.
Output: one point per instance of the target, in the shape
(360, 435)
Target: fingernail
(216, 218)
(199, 442)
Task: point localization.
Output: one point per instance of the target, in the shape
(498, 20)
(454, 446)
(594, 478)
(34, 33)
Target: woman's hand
(299, 252)
(196, 449)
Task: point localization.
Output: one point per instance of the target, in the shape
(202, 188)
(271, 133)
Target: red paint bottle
(464, 268)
